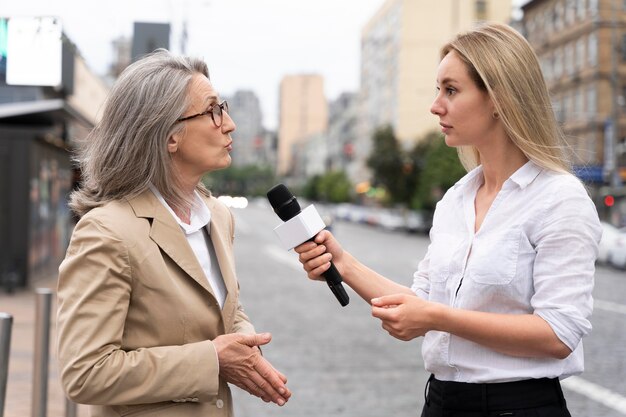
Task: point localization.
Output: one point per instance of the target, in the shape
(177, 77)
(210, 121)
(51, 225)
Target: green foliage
(387, 162)
(441, 169)
(333, 187)
(251, 180)
(416, 178)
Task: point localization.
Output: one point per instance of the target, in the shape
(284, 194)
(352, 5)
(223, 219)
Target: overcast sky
(248, 44)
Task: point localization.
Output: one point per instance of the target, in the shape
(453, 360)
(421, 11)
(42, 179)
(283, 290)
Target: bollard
(6, 321)
(70, 408)
(42, 347)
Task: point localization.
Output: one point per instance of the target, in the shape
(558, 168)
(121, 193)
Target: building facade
(249, 136)
(303, 111)
(581, 45)
(39, 124)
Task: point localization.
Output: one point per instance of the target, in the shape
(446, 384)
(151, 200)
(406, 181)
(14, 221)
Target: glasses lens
(216, 113)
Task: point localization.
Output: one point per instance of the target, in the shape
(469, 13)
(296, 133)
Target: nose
(437, 108)
(228, 124)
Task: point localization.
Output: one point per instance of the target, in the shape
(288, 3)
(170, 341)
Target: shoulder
(563, 191)
(115, 218)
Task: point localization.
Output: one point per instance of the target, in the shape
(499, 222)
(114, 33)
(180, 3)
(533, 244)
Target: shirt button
(219, 404)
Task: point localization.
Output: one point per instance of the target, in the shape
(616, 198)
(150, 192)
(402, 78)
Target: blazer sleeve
(95, 282)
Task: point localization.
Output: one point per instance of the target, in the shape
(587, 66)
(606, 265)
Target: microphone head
(283, 202)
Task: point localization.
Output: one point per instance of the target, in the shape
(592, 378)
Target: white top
(197, 236)
(534, 253)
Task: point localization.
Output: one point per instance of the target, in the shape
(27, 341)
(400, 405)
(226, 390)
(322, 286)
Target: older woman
(149, 319)
(503, 296)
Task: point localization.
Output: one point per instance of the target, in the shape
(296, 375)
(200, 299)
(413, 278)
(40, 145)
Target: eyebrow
(448, 80)
(208, 100)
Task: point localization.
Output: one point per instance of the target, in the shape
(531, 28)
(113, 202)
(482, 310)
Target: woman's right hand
(316, 256)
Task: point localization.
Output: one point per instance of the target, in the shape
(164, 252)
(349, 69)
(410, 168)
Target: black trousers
(530, 397)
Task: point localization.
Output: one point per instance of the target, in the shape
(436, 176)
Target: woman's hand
(404, 316)
(316, 256)
(242, 364)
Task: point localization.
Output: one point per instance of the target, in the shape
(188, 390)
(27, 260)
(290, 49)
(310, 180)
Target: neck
(499, 163)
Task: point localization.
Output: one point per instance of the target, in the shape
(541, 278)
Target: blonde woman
(149, 319)
(503, 295)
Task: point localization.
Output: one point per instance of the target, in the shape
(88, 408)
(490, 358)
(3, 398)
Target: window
(592, 50)
(580, 54)
(591, 102)
(593, 7)
(569, 59)
(580, 8)
(578, 104)
(623, 47)
(481, 9)
(558, 16)
(546, 67)
(558, 63)
(570, 11)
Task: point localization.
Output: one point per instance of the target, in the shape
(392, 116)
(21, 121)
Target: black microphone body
(286, 207)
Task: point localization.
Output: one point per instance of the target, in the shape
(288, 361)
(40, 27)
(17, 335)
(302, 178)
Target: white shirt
(196, 234)
(533, 254)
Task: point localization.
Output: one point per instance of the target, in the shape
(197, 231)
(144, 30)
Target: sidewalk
(21, 305)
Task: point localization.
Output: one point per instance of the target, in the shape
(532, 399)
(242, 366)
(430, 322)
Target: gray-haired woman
(149, 319)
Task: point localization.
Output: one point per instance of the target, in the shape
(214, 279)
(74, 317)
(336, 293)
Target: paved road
(341, 363)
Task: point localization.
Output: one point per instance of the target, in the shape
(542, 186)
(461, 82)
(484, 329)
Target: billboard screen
(33, 51)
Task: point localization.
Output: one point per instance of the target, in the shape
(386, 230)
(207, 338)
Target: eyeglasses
(216, 111)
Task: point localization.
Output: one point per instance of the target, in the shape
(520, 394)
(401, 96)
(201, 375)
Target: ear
(173, 142)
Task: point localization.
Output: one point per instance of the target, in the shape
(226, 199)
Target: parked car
(612, 248)
(617, 254)
(418, 221)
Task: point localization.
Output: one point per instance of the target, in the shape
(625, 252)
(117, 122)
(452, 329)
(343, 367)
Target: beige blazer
(136, 314)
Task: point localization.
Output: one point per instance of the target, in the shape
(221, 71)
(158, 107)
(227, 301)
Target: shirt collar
(200, 213)
(522, 177)
(526, 174)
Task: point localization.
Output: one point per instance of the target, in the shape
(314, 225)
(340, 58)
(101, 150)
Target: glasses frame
(213, 111)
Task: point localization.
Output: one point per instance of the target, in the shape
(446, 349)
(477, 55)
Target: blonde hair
(127, 150)
(503, 64)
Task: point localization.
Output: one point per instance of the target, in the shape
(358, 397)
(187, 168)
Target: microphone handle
(333, 279)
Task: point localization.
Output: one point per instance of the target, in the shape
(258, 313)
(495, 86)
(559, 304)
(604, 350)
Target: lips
(229, 147)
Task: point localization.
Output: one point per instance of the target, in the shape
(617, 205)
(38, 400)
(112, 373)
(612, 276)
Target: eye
(450, 91)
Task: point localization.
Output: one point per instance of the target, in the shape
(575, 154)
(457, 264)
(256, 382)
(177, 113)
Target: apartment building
(303, 112)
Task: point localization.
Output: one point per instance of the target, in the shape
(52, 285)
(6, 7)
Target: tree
(333, 187)
(440, 169)
(251, 180)
(387, 162)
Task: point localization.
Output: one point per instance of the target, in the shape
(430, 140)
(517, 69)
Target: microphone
(287, 208)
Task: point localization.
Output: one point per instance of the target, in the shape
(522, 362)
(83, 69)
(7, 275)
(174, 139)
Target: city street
(340, 362)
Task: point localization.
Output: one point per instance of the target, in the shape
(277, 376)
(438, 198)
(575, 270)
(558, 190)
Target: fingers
(268, 380)
(388, 300)
(242, 364)
(383, 313)
(258, 339)
(315, 260)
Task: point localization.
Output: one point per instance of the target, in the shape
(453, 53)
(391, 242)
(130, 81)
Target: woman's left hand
(404, 316)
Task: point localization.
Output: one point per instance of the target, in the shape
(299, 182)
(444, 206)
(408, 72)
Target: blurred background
(330, 98)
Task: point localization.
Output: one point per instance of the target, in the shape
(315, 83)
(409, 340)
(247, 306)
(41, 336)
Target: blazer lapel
(166, 233)
(220, 238)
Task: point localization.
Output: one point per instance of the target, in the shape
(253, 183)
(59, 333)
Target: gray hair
(127, 149)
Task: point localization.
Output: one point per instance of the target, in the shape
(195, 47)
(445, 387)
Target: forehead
(201, 91)
(451, 66)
